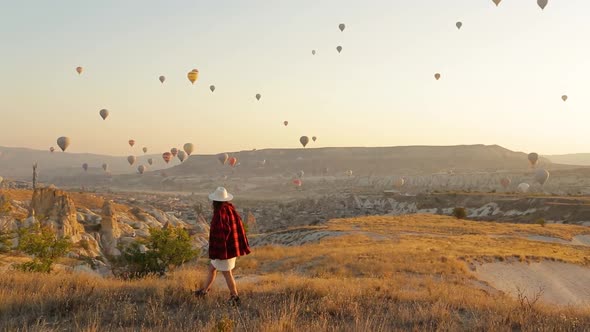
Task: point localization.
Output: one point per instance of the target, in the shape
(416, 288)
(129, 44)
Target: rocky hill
(375, 160)
(97, 227)
(582, 159)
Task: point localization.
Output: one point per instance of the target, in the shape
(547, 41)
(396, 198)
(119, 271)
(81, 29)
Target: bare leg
(210, 278)
(231, 282)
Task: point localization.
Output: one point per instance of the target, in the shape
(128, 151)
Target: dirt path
(557, 283)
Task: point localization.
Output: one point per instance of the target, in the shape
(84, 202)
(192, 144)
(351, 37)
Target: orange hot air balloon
(79, 70)
(174, 151)
(297, 182)
(193, 75)
(233, 161)
(131, 142)
(505, 182)
(167, 156)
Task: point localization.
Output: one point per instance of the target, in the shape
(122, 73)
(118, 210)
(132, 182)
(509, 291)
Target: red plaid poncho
(227, 238)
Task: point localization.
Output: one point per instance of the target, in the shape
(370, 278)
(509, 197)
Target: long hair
(217, 205)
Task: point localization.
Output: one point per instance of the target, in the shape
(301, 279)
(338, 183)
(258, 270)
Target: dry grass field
(374, 274)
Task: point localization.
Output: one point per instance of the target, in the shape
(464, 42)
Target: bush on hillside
(460, 213)
(45, 247)
(5, 239)
(541, 222)
(163, 250)
(5, 206)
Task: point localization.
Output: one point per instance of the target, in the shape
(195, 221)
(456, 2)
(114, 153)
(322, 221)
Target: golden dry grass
(381, 274)
(275, 302)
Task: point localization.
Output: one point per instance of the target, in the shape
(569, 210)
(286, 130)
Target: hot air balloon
(212, 88)
(104, 113)
(150, 161)
(339, 49)
(437, 76)
(542, 3)
(162, 79)
(258, 96)
(304, 140)
(233, 161)
(399, 182)
(222, 157)
(105, 167)
(314, 138)
(341, 26)
(459, 25)
(85, 167)
(349, 172)
(79, 70)
(497, 2)
(131, 142)
(505, 182)
(167, 156)
(141, 169)
(131, 160)
(182, 155)
(51, 149)
(145, 149)
(286, 123)
(297, 182)
(174, 152)
(523, 187)
(541, 176)
(564, 98)
(188, 148)
(300, 174)
(312, 52)
(63, 143)
(533, 158)
(193, 75)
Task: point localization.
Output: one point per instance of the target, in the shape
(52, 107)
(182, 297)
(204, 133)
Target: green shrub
(460, 213)
(45, 247)
(541, 222)
(5, 205)
(166, 249)
(6, 237)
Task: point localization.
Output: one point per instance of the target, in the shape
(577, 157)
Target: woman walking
(227, 240)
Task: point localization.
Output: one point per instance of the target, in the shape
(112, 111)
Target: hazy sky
(503, 74)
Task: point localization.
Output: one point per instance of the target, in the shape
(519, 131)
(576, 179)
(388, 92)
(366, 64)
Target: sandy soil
(560, 283)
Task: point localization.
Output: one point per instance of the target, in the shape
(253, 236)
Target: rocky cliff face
(54, 208)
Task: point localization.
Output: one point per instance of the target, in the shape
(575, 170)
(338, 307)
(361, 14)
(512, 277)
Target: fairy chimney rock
(55, 209)
(109, 230)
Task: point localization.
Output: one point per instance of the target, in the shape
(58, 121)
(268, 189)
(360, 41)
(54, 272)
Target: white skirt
(224, 264)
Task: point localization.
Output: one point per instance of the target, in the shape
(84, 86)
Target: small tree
(45, 247)
(5, 239)
(459, 213)
(541, 222)
(5, 205)
(165, 249)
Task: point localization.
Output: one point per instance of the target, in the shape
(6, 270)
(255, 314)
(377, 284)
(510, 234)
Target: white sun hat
(221, 195)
